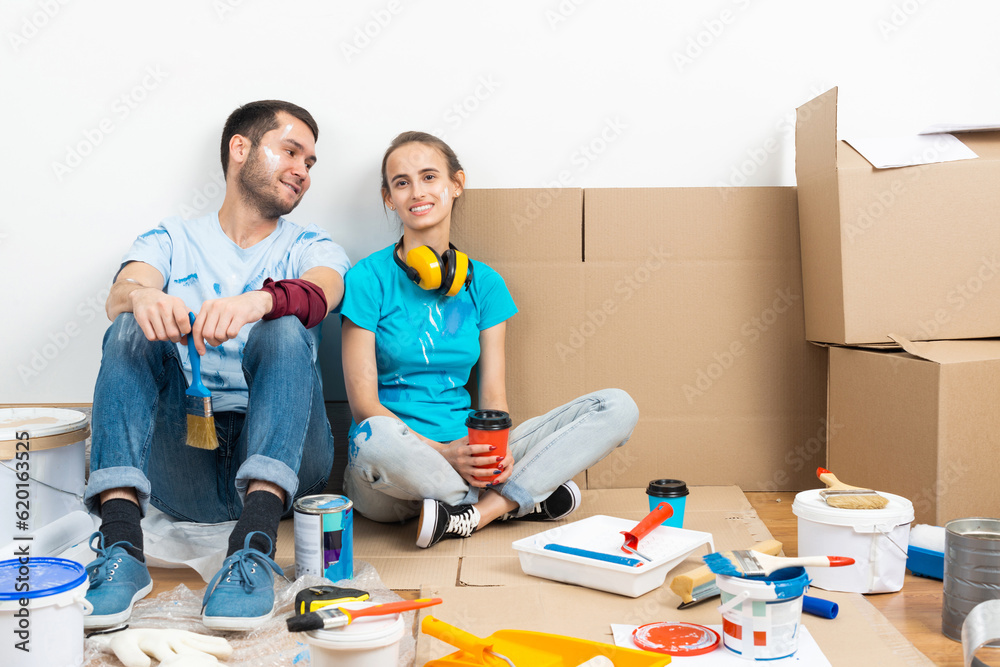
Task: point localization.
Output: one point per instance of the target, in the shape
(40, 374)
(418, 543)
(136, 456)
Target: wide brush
(845, 496)
(198, 404)
(749, 563)
(335, 617)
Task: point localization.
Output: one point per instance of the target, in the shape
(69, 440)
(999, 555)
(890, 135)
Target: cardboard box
(690, 299)
(921, 423)
(909, 251)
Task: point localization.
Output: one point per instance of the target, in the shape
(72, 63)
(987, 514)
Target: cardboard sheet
(587, 614)
(488, 560)
(689, 299)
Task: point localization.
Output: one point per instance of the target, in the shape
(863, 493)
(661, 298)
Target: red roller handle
(662, 512)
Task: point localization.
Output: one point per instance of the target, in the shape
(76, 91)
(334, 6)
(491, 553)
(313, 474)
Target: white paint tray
(666, 547)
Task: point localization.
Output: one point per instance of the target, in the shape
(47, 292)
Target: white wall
(684, 94)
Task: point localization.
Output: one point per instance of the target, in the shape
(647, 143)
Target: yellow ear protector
(446, 274)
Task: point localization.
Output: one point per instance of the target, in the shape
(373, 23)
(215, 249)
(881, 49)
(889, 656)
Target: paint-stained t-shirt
(425, 344)
(199, 262)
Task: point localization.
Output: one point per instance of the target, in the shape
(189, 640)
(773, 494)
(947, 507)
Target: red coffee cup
(489, 427)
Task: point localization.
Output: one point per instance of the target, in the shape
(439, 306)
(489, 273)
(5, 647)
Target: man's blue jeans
(140, 427)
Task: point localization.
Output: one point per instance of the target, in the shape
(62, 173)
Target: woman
(408, 351)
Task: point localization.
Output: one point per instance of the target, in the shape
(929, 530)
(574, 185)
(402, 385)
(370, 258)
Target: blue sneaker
(117, 581)
(241, 595)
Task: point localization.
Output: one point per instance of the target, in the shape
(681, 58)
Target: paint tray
(665, 546)
(529, 649)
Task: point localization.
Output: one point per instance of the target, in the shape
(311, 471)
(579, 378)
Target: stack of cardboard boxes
(901, 279)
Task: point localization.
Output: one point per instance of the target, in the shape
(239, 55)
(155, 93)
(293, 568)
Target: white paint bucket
(42, 467)
(370, 641)
(42, 605)
(761, 615)
(877, 540)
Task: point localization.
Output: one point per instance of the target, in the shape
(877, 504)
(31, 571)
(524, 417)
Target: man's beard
(256, 189)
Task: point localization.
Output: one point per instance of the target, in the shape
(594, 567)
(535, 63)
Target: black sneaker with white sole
(561, 503)
(439, 520)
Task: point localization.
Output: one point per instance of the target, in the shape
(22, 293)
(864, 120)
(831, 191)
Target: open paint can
(324, 536)
(971, 575)
(877, 540)
(761, 615)
(42, 467)
(42, 605)
(370, 641)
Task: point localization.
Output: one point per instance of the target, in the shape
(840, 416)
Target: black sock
(262, 511)
(120, 523)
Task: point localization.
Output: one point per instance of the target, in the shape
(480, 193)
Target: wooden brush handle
(831, 480)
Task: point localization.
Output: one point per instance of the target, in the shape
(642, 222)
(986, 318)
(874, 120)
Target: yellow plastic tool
(521, 648)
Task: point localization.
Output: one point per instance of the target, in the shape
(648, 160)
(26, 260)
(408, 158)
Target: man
(259, 285)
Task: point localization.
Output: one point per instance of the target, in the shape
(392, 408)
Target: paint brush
(198, 404)
(699, 584)
(847, 497)
(335, 617)
(749, 563)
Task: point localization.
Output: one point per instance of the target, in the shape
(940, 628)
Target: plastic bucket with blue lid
(42, 605)
(761, 615)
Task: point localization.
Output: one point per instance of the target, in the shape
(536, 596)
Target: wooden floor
(915, 611)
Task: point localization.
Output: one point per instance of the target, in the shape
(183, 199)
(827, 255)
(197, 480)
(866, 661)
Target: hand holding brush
(198, 403)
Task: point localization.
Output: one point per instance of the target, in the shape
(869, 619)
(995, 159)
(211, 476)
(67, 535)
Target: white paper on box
(891, 152)
(938, 128)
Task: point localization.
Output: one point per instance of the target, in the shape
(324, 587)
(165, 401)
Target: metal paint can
(971, 570)
(324, 536)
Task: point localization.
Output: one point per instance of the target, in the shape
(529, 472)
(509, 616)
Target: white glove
(178, 648)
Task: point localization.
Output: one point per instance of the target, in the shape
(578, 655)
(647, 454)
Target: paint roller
(699, 584)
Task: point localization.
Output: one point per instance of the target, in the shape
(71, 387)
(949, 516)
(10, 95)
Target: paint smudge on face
(272, 160)
(288, 128)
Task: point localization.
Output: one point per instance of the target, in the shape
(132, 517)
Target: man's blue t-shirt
(199, 262)
(425, 344)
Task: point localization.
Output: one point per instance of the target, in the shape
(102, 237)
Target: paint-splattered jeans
(139, 425)
(390, 470)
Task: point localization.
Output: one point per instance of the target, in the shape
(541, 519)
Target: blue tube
(819, 607)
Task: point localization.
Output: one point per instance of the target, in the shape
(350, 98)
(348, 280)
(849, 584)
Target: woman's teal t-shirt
(425, 344)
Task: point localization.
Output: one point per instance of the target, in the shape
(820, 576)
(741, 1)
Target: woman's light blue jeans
(390, 470)
(140, 427)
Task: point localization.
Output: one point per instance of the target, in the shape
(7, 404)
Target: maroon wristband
(294, 296)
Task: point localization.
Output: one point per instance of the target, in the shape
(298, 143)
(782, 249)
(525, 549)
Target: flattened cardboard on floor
(859, 635)
(910, 251)
(488, 559)
(921, 424)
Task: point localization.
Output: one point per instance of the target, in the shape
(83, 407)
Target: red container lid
(679, 639)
